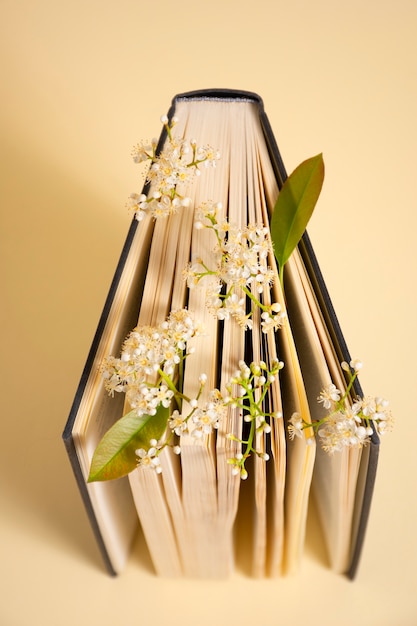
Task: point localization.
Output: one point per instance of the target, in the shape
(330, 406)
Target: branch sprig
(176, 164)
(147, 373)
(150, 369)
(240, 268)
(253, 383)
(346, 423)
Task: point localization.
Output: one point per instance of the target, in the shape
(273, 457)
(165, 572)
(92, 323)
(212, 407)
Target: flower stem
(254, 299)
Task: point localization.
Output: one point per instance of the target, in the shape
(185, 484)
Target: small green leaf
(294, 207)
(115, 456)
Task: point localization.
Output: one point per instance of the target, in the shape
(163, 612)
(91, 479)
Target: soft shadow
(244, 528)
(140, 554)
(52, 303)
(314, 542)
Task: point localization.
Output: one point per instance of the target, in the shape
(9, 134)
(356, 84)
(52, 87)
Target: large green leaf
(115, 455)
(294, 207)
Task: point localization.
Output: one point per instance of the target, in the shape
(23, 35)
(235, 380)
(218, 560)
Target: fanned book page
(300, 453)
(204, 506)
(335, 477)
(109, 505)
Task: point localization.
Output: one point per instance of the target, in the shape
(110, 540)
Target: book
(197, 511)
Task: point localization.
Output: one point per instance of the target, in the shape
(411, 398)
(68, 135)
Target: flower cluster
(149, 458)
(200, 420)
(346, 424)
(238, 277)
(148, 360)
(250, 384)
(176, 164)
(246, 391)
(241, 270)
(196, 420)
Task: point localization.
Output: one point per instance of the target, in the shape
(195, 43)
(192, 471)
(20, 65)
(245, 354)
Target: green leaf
(115, 455)
(294, 207)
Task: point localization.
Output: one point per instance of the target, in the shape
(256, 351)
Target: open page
(335, 476)
(110, 505)
(147, 486)
(210, 491)
(301, 451)
(269, 488)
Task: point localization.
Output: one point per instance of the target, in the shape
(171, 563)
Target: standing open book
(193, 513)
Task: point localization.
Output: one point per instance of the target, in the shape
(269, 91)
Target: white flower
(342, 430)
(272, 322)
(208, 155)
(138, 204)
(145, 351)
(295, 426)
(207, 418)
(144, 152)
(207, 216)
(149, 459)
(355, 364)
(178, 423)
(243, 257)
(235, 305)
(377, 410)
(159, 395)
(177, 163)
(329, 396)
(244, 370)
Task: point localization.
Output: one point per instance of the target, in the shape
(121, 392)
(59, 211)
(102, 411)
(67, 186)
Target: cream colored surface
(82, 81)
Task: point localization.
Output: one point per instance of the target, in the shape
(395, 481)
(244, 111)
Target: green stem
(180, 378)
(281, 277)
(208, 270)
(195, 162)
(171, 385)
(254, 299)
(349, 387)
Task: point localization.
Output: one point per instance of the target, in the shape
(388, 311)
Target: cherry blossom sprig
(246, 391)
(177, 163)
(198, 421)
(253, 382)
(149, 372)
(241, 270)
(150, 368)
(346, 424)
(147, 366)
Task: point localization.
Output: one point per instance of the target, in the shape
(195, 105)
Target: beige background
(82, 81)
